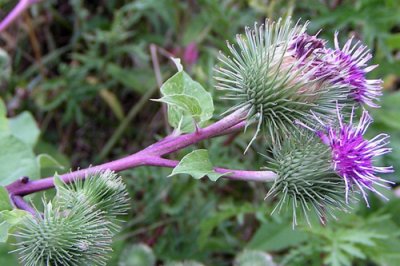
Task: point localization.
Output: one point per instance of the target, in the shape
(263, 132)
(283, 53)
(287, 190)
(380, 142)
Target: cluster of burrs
(302, 95)
(77, 226)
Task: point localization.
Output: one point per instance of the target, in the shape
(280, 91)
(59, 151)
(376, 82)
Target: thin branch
(16, 12)
(20, 203)
(125, 123)
(143, 157)
(159, 79)
(243, 175)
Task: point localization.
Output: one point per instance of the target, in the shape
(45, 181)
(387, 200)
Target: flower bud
(79, 236)
(104, 190)
(306, 179)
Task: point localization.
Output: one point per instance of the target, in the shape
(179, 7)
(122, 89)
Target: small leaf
(16, 160)
(46, 161)
(24, 127)
(187, 101)
(136, 79)
(197, 164)
(5, 203)
(8, 221)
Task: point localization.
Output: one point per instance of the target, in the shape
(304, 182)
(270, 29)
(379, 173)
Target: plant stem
(143, 157)
(16, 12)
(244, 175)
(125, 123)
(20, 203)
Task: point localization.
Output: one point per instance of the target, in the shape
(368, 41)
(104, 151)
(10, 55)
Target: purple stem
(16, 12)
(20, 203)
(259, 176)
(143, 157)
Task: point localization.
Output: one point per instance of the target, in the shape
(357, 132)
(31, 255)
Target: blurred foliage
(80, 68)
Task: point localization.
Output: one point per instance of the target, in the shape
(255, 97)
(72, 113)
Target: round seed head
(79, 236)
(306, 179)
(272, 71)
(103, 190)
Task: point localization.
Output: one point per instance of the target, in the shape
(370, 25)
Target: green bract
(78, 236)
(278, 89)
(306, 178)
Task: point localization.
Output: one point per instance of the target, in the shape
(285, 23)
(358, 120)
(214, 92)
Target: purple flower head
(304, 45)
(348, 66)
(353, 155)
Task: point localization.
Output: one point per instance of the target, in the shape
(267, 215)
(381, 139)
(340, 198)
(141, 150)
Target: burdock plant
(296, 91)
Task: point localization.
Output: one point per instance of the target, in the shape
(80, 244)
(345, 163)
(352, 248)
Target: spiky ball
(306, 179)
(272, 71)
(104, 190)
(74, 237)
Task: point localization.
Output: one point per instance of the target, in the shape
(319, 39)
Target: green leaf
(46, 161)
(253, 258)
(139, 80)
(197, 164)
(8, 221)
(187, 100)
(24, 127)
(184, 103)
(361, 237)
(353, 250)
(276, 236)
(5, 203)
(50, 150)
(16, 160)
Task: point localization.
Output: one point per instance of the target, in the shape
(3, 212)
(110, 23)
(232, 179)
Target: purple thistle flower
(348, 66)
(304, 45)
(353, 155)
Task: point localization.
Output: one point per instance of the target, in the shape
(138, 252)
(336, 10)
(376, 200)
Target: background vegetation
(86, 71)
